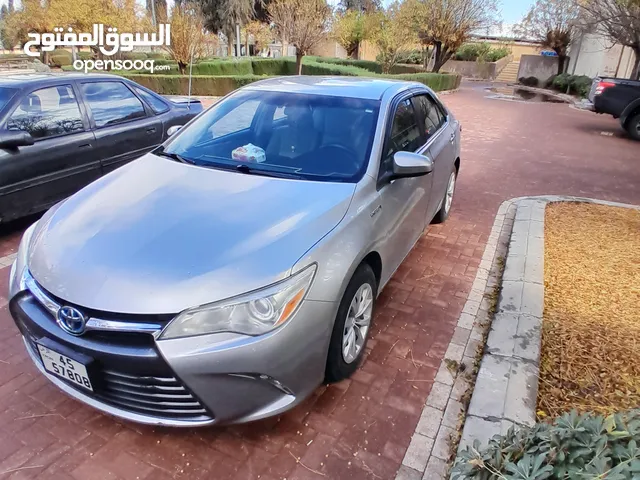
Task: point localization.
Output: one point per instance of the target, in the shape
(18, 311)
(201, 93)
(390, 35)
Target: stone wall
(538, 66)
(483, 70)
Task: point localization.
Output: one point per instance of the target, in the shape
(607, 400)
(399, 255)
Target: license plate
(65, 367)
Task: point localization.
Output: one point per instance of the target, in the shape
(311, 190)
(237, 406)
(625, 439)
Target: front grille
(158, 396)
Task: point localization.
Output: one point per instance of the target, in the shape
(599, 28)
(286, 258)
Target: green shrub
(529, 81)
(404, 68)
(573, 84)
(317, 68)
(61, 52)
(436, 81)
(369, 65)
(574, 446)
(413, 57)
(134, 56)
(200, 85)
(273, 66)
(484, 52)
(157, 56)
(85, 55)
(224, 67)
(60, 60)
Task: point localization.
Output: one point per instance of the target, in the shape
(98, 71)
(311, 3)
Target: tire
(340, 367)
(633, 126)
(445, 209)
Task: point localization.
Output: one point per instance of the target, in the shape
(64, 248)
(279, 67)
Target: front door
(60, 162)
(433, 122)
(124, 128)
(401, 215)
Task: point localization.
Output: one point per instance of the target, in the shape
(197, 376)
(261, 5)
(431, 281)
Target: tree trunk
(442, 56)
(352, 51)
(561, 61)
(635, 72)
(182, 67)
(299, 56)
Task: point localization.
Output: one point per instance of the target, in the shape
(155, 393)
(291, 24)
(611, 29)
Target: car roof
(22, 80)
(351, 87)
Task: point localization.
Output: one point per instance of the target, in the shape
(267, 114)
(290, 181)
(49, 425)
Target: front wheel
(351, 327)
(633, 126)
(447, 200)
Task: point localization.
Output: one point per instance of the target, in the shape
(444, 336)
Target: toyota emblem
(71, 320)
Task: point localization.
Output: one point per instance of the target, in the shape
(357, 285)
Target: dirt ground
(591, 329)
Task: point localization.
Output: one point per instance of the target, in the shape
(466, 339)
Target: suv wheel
(633, 126)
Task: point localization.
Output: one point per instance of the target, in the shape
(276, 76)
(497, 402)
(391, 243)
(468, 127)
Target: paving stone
(502, 337)
(476, 428)
(534, 269)
(429, 421)
(511, 297)
(528, 338)
(408, 473)
(514, 268)
(452, 413)
(454, 352)
(460, 387)
(460, 336)
(439, 395)
(533, 299)
(441, 447)
(490, 388)
(466, 320)
(418, 452)
(444, 375)
(520, 402)
(436, 469)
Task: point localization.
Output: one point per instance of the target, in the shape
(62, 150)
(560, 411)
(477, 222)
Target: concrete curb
(506, 386)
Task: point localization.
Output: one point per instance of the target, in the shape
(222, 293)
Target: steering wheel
(344, 151)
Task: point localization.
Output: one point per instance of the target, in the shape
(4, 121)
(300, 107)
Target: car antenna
(190, 70)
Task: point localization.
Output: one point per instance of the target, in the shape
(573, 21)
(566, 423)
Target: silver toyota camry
(224, 276)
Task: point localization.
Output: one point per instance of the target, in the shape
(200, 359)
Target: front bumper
(205, 380)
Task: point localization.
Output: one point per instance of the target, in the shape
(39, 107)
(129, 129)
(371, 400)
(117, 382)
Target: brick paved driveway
(359, 428)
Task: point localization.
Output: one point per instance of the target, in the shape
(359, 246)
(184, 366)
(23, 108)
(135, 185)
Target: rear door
(124, 127)
(62, 159)
(440, 137)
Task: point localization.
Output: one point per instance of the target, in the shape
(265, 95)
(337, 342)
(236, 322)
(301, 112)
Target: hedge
(368, 65)
(222, 85)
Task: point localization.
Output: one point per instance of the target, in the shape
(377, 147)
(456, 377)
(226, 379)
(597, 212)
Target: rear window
(5, 95)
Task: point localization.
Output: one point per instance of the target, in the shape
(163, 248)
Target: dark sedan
(59, 132)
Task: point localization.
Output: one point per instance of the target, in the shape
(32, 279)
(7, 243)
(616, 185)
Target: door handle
(151, 130)
(453, 138)
(84, 145)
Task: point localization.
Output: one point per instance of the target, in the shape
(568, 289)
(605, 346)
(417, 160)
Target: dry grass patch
(591, 329)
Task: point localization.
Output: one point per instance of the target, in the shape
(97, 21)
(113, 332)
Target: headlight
(251, 314)
(17, 269)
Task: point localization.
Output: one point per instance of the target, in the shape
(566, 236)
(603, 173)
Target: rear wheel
(447, 201)
(351, 328)
(633, 126)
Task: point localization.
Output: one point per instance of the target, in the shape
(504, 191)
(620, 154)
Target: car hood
(158, 236)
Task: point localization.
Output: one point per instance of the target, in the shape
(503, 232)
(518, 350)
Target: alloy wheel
(357, 323)
(450, 190)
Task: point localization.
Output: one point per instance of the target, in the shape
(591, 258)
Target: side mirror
(407, 164)
(173, 130)
(15, 139)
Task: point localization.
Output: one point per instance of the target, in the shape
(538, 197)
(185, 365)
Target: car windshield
(5, 95)
(314, 137)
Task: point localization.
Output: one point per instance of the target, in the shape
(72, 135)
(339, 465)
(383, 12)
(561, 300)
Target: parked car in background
(621, 98)
(59, 132)
(224, 276)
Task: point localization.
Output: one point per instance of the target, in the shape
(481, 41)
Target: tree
(391, 37)
(188, 37)
(446, 25)
(160, 9)
(260, 33)
(302, 23)
(620, 21)
(352, 27)
(368, 6)
(553, 23)
(223, 15)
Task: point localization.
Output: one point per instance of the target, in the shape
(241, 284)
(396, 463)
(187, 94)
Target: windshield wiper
(174, 156)
(243, 168)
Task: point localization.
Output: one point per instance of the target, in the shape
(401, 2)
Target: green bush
(224, 67)
(573, 84)
(436, 81)
(574, 446)
(85, 55)
(472, 52)
(529, 81)
(273, 66)
(317, 68)
(134, 56)
(60, 60)
(61, 52)
(200, 85)
(157, 56)
(413, 57)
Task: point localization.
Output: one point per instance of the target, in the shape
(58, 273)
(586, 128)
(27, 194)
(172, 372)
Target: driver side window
(405, 135)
